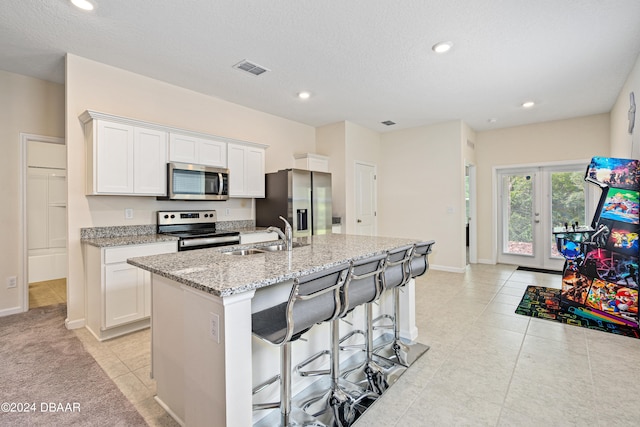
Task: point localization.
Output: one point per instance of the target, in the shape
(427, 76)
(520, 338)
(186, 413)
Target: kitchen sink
(263, 249)
(244, 252)
(281, 247)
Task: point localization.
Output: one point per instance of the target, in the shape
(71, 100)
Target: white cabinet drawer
(122, 253)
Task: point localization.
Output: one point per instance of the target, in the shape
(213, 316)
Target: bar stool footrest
(402, 353)
(311, 359)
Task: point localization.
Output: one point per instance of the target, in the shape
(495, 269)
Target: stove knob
(166, 216)
(173, 216)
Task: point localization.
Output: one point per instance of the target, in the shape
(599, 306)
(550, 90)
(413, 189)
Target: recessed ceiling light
(528, 104)
(442, 47)
(492, 120)
(304, 95)
(83, 4)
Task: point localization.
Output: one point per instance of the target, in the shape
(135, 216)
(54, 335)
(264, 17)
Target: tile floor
(486, 366)
(48, 292)
(127, 361)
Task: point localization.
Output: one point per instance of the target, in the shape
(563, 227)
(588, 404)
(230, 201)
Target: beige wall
(347, 143)
(30, 106)
(622, 144)
(421, 189)
(362, 145)
(330, 141)
(468, 152)
(95, 86)
(564, 140)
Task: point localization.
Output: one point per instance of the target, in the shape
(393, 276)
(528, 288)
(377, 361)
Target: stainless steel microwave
(196, 182)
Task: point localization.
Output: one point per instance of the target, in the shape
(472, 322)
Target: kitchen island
(204, 358)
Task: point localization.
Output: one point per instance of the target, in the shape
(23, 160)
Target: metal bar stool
(346, 400)
(402, 266)
(364, 286)
(313, 299)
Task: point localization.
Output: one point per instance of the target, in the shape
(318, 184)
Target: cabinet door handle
(359, 220)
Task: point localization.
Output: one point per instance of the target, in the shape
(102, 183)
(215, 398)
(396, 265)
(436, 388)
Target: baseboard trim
(10, 311)
(486, 261)
(448, 269)
(74, 324)
(168, 410)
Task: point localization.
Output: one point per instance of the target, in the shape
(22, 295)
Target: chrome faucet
(287, 236)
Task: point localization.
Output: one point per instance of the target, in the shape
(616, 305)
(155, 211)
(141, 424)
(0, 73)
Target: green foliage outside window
(568, 198)
(567, 204)
(520, 203)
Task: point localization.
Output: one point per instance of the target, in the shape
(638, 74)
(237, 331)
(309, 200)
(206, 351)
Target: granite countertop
(104, 237)
(212, 271)
(139, 239)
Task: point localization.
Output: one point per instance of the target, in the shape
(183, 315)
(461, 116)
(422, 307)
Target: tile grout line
(593, 385)
(524, 336)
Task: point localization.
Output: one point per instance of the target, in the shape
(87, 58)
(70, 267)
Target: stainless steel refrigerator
(301, 196)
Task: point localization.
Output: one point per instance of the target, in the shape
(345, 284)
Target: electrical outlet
(227, 211)
(11, 282)
(214, 327)
(128, 213)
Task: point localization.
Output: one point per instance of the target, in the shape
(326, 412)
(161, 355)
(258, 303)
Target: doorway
(365, 183)
(533, 200)
(471, 248)
(44, 203)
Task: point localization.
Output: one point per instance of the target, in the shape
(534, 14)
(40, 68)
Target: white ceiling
(365, 61)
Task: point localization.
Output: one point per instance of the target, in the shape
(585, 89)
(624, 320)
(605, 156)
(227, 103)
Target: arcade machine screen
(619, 206)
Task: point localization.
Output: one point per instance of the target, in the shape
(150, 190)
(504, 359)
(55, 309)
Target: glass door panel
(567, 202)
(533, 200)
(518, 208)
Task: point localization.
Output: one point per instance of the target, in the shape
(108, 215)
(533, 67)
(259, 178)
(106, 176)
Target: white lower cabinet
(119, 294)
(124, 294)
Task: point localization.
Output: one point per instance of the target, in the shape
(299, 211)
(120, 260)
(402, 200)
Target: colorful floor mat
(545, 303)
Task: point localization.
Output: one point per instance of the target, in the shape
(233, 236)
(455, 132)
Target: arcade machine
(600, 277)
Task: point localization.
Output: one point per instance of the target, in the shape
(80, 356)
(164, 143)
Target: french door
(531, 202)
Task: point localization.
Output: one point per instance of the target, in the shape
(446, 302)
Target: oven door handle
(185, 243)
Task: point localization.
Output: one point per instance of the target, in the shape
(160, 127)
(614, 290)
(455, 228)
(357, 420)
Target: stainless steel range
(195, 229)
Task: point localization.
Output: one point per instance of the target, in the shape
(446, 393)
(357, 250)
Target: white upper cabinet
(113, 159)
(124, 159)
(246, 171)
(149, 161)
(129, 157)
(199, 151)
(312, 162)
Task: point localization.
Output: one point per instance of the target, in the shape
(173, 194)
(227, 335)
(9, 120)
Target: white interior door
(365, 199)
(531, 202)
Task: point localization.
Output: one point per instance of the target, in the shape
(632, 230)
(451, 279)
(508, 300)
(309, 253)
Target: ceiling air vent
(250, 67)
(388, 123)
